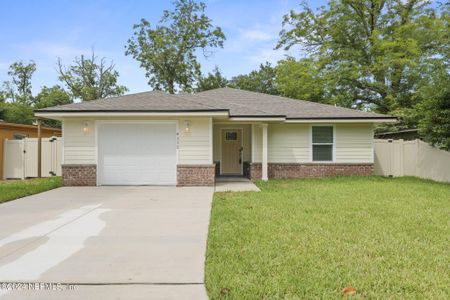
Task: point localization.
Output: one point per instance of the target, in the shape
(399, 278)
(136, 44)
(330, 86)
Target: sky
(44, 31)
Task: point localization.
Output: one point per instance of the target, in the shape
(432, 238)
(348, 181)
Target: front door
(231, 152)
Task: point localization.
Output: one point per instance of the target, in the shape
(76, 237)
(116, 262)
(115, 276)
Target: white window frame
(333, 148)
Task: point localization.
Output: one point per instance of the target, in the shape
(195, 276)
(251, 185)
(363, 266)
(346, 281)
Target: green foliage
(167, 51)
(262, 80)
(434, 110)
(16, 112)
(52, 96)
(211, 81)
(300, 80)
(10, 190)
(310, 238)
(90, 79)
(19, 89)
(371, 53)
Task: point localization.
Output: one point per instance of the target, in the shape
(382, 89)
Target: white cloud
(262, 55)
(4, 66)
(253, 35)
(51, 49)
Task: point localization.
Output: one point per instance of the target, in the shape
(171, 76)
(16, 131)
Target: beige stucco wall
(246, 140)
(291, 143)
(194, 147)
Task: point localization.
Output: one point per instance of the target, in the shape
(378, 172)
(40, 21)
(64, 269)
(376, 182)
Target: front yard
(304, 239)
(10, 190)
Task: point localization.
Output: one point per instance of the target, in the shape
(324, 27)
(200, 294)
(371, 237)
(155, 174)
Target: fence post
(402, 157)
(416, 171)
(391, 154)
(24, 153)
(5, 147)
(39, 149)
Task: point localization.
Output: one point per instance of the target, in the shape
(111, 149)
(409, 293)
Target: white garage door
(137, 154)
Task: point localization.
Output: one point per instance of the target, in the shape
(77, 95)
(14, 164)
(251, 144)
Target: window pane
(322, 152)
(322, 134)
(231, 136)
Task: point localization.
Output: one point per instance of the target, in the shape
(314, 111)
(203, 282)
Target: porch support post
(264, 153)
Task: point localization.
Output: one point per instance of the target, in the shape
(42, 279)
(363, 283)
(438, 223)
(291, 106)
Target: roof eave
(102, 113)
(343, 120)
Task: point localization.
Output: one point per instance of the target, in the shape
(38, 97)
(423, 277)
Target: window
(19, 136)
(322, 143)
(231, 136)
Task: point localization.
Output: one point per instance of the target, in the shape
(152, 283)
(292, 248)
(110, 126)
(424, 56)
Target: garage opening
(137, 153)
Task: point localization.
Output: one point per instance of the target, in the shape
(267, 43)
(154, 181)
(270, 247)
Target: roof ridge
(190, 100)
(293, 99)
(237, 104)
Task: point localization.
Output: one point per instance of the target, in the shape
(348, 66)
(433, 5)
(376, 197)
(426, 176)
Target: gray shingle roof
(146, 101)
(238, 103)
(277, 105)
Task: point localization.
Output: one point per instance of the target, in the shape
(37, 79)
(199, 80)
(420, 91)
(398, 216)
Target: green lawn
(309, 239)
(10, 190)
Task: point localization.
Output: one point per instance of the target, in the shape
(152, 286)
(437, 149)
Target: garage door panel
(137, 154)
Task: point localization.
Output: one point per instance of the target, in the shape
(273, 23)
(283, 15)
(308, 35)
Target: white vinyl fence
(20, 158)
(411, 158)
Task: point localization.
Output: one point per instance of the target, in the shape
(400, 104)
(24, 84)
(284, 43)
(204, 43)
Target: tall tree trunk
(171, 87)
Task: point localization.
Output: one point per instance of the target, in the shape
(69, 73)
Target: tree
(372, 52)
(300, 80)
(19, 89)
(16, 112)
(167, 51)
(7, 92)
(211, 81)
(262, 80)
(52, 96)
(89, 79)
(434, 111)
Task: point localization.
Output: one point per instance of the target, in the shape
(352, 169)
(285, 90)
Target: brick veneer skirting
(295, 170)
(255, 171)
(196, 175)
(79, 175)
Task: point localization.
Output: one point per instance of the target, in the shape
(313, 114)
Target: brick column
(196, 175)
(79, 175)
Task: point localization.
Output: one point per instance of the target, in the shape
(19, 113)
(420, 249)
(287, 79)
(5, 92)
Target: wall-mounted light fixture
(187, 126)
(85, 127)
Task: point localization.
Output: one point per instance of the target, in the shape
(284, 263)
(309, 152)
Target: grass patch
(309, 239)
(10, 190)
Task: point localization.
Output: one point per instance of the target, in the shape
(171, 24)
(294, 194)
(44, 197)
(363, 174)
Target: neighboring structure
(405, 134)
(188, 139)
(12, 131)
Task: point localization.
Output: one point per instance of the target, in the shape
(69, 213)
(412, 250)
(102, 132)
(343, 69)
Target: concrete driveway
(109, 242)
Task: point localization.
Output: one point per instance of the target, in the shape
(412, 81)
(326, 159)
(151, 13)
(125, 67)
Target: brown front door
(231, 151)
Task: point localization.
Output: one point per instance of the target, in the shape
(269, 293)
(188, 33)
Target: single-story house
(155, 138)
(13, 131)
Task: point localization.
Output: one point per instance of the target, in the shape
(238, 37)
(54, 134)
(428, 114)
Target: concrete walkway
(235, 184)
(110, 242)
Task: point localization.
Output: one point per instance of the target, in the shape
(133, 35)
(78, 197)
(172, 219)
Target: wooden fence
(411, 158)
(20, 158)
